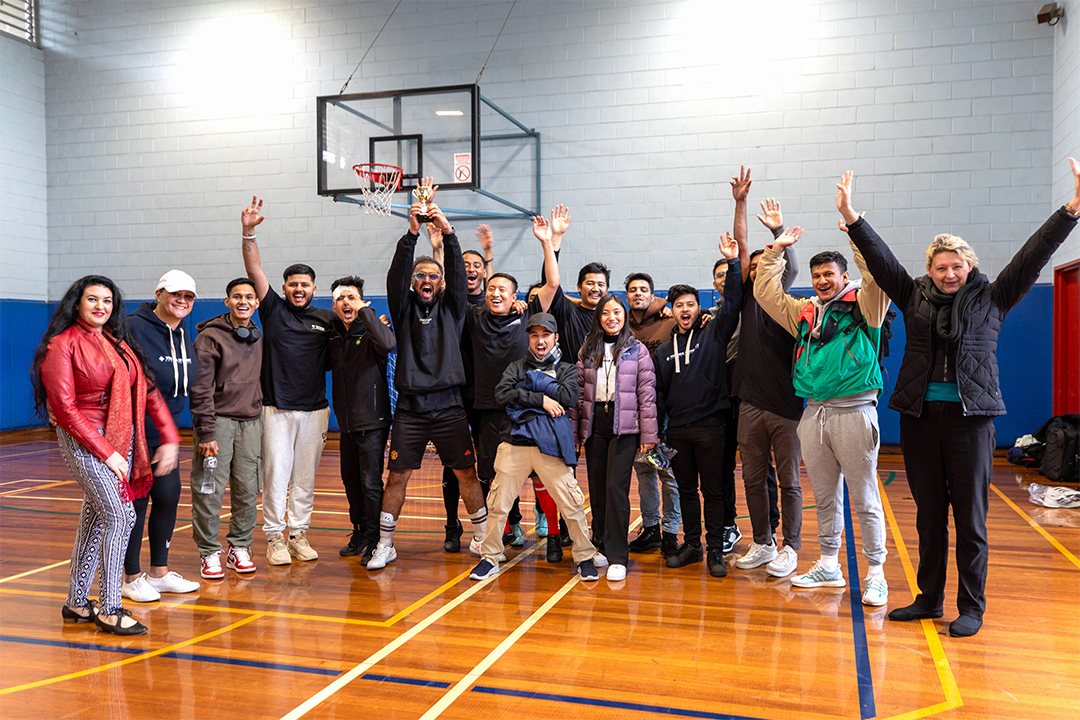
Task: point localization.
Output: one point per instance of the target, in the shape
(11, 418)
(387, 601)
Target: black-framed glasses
(421, 277)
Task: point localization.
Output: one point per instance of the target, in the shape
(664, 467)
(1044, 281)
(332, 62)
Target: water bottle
(209, 465)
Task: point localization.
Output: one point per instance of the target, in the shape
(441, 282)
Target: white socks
(387, 525)
(830, 562)
(479, 523)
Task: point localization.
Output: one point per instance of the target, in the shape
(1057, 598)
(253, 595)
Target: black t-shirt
(763, 368)
(574, 323)
(295, 346)
(497, 341)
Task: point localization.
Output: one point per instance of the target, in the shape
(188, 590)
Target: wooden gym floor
(329, 639)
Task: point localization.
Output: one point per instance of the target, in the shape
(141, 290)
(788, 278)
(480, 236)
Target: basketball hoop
(378, 182)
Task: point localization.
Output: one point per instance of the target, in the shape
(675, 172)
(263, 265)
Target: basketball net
(378, 182)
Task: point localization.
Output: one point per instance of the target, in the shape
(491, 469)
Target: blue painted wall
(1024, 356)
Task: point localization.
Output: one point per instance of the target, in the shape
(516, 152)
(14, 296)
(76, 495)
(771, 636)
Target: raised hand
(843, 226)
(435, 235)
(414, 218)
(560, 220)
(771, 218)
(438, 219)
(483, 234)
(790, 237)
(728, 247)
(519, 307)
(251, 215)
(843, 198)
(1073, 205)
(740, 186)
(541, 227)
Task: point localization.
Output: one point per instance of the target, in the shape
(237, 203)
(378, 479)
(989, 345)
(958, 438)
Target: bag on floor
(1027, 451)
(1061, 454)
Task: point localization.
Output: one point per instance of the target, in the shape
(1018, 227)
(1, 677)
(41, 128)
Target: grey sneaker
(818, 576)
(299, 547)
(277, 552)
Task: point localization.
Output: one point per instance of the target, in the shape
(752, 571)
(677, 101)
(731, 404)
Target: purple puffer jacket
(635, 395)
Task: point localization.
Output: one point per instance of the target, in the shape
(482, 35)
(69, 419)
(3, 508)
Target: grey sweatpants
(292, 444)
(763, 434)
(839, 443)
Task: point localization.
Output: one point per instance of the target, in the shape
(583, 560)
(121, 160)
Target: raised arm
(399, 276)
(728, 319)
(250, 217)
(740, 190)
(772, 218)
(456, 285)
(886, 271)
(436, 237)
(873, 300)
(769, 291)
(487, 244)
(548, 233)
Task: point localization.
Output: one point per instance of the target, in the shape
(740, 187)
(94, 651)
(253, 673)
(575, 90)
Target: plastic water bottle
(209, 465)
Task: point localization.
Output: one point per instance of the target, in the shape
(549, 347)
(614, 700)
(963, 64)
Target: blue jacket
(553, 436)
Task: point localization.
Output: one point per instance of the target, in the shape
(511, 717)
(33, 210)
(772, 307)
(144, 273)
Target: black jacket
(357, 365)
(700, 387)
(507, 391)
(428, 337)
(976, 351)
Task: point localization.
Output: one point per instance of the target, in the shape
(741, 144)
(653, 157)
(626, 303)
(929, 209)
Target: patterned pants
(104, 526)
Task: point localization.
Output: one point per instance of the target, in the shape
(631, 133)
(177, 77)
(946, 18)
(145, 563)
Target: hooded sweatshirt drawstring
(689, 339)
(175, 363)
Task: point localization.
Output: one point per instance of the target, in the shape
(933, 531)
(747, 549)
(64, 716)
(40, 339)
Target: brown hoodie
(653, 330)
(227, 381)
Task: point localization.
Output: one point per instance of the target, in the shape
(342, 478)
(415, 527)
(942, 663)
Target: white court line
(473, 675)
(396, 643)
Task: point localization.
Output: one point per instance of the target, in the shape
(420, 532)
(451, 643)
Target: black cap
(544, 320)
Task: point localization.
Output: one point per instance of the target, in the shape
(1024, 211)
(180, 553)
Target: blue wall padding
(1024, 357)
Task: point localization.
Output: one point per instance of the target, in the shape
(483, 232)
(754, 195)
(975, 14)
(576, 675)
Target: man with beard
(692, 393)
(359, 350)
(652, 326)
(428, 313)
(295, 410)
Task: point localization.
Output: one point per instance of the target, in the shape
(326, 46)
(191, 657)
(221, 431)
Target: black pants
(731, 447)
(949, 459)
(166, 496)
(700, 453)
(609, 459)
(451, 493)
(362, 455)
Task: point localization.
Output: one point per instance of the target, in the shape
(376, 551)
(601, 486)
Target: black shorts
(448, 429)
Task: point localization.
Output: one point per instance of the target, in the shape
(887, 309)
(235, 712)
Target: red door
(1067, 338)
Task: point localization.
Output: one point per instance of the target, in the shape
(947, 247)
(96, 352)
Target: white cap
(176, 281)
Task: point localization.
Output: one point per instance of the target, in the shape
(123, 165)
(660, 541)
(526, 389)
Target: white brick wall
(24, 267)
(1066, 116)
(945, 110)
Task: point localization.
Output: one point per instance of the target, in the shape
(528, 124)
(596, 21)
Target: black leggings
(166, 496)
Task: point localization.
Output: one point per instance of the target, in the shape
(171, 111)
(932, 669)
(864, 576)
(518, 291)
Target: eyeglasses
(421, 277)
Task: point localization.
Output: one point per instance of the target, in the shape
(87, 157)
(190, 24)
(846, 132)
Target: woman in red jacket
(92, 382)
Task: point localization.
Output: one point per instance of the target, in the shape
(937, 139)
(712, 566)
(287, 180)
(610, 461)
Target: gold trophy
(423, 193)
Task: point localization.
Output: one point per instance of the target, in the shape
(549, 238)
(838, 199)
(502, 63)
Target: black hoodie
(358, 358)
(170, 359)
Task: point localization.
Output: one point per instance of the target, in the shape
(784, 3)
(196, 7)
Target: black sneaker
(452, 544)
(731, 538)
(369, 550)
(554, 549)
(685, 555)
(564, 534)
(669, 544)
(357, 543)
(648, 539)
(717, 566)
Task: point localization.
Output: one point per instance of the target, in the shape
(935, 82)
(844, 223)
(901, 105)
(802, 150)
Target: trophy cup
(423, 193)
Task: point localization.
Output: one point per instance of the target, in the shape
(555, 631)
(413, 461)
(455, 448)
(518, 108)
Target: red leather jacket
(78, 372)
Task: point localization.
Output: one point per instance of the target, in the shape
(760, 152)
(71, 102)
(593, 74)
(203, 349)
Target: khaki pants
(513, 464)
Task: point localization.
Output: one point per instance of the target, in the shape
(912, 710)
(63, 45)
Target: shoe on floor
(514, 538)
(587, 570)
(541, 525)
(369, 550)
(172, 582)
(964, 626)
(123, 624)
(483, 570)
(876, 593)
(599, 560)
(686, 554)
(648, 538)
(475, 544)
(211, 566)
(277, 552)
(239, 559)
(757, 556)
(452, 543)
(715, 561)
(356, 545)
(139, 590)
(299, 547)
(383, 555)
(818, 576)
(554, 549)
(785, 563)
(914, 611)
(669, 544)
(616, 572)
(731, 538)
(564, 534)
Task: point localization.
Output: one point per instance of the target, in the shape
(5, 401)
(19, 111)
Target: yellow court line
(372, 660)
(130, 660)
(473, 675)
(933, 640)
(37, 487)
(12, 482)
(1039, 528)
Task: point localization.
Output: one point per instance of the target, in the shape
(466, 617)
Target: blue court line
(658, 709)
(71, 645)
(405, 680)
(858, 622)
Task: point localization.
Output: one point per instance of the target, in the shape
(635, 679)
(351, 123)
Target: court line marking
(492, 657)
(27, 454)
(863, 675)
(388, 649)
(941, 661)
(137, 658)
(597, 702)
(37, 487)
(1038, 528)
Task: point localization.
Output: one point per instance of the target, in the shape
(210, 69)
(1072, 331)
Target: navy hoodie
(170, 360)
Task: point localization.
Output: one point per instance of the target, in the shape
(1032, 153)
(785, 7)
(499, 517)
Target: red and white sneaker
(239, 559)
(211, 566)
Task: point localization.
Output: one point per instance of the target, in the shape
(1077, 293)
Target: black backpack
(1061, 454)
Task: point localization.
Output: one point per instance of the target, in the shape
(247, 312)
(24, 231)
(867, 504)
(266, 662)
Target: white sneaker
(211, 566)
(474, 545)
(785, 563)
(173, 582)
(877, 591)
(299, 547)
(615, 572)
(756, 556)
(599, 560)
(139, 590)
(383, 554)
(818, 576)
